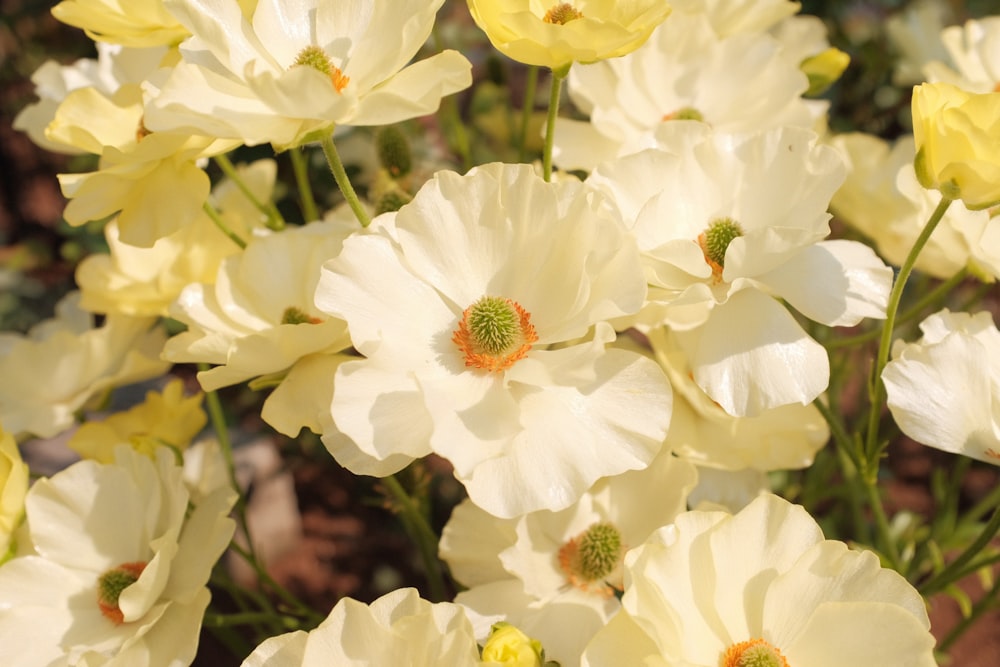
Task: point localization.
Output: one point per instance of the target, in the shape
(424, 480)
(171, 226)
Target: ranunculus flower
(13, 487)
(399, 628)
(469, 305)
(557, 34)
(285, 71)
(761, 587)
(131, 23)
(944, 389)
(64, 361)
(121, 565)
(958, 143)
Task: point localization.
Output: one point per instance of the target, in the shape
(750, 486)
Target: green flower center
(716, 239)
(592, 558)
(293, 315)
(315, 57)
(753, 653)
(494, 324)
(110, 586)
(600, 551)
(685, 113)
(562, 14)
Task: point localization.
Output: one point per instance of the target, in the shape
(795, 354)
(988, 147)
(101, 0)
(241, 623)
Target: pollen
(753, 653)
(110, 586)
(494, 333)
(562, 14)
(593, 557)
(714, 242)
(315, 57)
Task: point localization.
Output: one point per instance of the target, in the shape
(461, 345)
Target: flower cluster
(640, 364)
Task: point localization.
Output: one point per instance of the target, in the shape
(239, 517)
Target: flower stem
(300, 167)
(274, 219)
(527, 106)
(343, 182)
(985, 604)
(955, 569)
(223, 227)
(877, 387)
(425, 538)
(550, 121)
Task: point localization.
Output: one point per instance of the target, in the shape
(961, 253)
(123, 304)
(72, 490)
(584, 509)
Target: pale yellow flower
(13, 488)
(166, 418)
(958, 143)
(557, 34)
(131, 23)
(510, 647)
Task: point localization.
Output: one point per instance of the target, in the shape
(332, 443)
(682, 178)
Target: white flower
(915, 35)
(258, 317)
(554, 574)
(975, 51)
(944, 390)
(731, 17)
(397, 629)
(291, 69)
(453, 308)
(740, 83)
(63, 362)
(883, 200)
(715, 589)
(113, 67)
(121, 566)
(782, 438)
(725, 224)
(145, 281)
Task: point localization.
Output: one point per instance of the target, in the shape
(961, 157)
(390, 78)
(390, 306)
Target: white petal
(751, 355)
(837, 283)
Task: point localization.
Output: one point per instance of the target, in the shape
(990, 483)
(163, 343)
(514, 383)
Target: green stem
(223, 227)
(990, 501)
(274, 219)
(451, 116)
(550, 120)
(950, 573)
(300, 167)
(845, 444)
(877, 388)
(932, 297)
(886, 543)
(985, 604)
(343, 182)
(527, 106)
(293, 604)
(427, 541)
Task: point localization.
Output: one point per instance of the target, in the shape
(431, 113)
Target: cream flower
(146, 281)
(453, 308)
(258, 318)
(944, 390)
(150, 179)
(557, 34)
(958, 143)
(399, 628)
(725, 224)
(288, 71)
(685, 71)
(732, 17)
(64, 361)
(783, 438)
(121, 566)
(975, 51)
(883, 200)
(13, 488)
(164, 419)
(113, 67)
(915, 35)
(132, 23)
(554, 574)
(761, 587)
